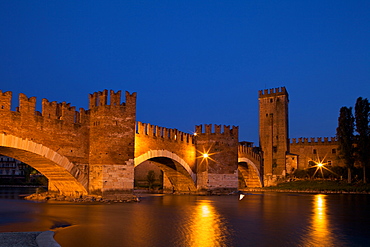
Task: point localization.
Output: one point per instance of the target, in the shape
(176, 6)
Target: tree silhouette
(150, 178)
(362, 109)
(346, 137)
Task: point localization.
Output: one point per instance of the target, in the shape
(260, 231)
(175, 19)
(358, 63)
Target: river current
(259, 219)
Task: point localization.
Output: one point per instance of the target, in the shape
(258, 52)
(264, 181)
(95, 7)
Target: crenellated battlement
(272, 92)
(100, 98)
(249, 151)
(5, 100)
(217, 129)
(50, 110)
(61, 111)
(313, 140)
(163, 132)
(27, 105)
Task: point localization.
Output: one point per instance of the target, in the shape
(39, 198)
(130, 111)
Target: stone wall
(324, 150)
(112, 142)
(220, 169)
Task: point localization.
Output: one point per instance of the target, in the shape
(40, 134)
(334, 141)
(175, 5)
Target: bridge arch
(63, 175)
(167, 154)
(250, 173)
(175, 168)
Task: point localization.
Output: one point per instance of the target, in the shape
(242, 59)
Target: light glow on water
(266, 219)
(320, 231)
(207, 228)
(319, 219)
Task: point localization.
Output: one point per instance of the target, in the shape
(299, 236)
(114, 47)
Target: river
(259, 219)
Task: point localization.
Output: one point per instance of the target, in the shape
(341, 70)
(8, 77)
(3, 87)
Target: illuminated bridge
(95, 151)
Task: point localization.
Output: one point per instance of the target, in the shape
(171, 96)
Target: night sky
(192, 62)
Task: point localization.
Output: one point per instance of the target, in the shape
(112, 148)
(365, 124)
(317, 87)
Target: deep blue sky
(192, 62)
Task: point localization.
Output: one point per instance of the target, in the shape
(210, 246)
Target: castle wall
(54, 128)
(112, 143)
(53, 123)
(220, 170)
(99, 142)
(324, 150)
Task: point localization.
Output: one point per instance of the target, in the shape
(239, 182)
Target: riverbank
(49, 196)
(29, 239)
(317, 186)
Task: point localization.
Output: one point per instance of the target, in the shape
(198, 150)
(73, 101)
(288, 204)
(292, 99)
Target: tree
(150, 178)
(362, 109)
(27, 172)
(346, 138)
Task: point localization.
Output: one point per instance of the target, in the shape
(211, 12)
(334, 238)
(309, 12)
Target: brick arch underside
(62, 173)
(250, 173)
(176, 169)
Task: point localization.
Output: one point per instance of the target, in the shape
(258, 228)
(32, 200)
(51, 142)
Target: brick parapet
(217, 129)
(249, 151)
(99, 100)
(50, 110)
(314, 141)
(272, 92)
(155, 131)
(5, 100)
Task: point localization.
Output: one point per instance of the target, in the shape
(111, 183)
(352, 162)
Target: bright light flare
(320, 165)
(206, 156)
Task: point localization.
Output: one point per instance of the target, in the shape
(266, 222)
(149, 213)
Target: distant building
(11, 168)
(318, 150)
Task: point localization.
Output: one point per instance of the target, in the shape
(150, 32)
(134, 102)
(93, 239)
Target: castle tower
(112, 143)
(273, 131)
(218, 171)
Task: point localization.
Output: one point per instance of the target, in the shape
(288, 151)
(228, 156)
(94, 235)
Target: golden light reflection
(320, 230)
(207, 228)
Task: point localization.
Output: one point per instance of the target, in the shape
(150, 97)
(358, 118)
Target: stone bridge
(95, 151)
(250, 164)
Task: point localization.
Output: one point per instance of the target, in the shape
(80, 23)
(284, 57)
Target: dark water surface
(259, 219)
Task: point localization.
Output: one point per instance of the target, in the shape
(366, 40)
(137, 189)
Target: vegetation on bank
(353, 134)
(338, 186)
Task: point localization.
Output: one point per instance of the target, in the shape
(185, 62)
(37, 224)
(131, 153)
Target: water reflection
(320, 231)
(271, 219)
(207, 227)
